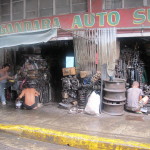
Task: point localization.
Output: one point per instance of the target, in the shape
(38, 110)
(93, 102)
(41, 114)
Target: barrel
(114, 97)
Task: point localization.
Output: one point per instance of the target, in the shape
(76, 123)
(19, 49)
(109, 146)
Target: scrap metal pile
(130, 67)
(75, 90)
(35, 72)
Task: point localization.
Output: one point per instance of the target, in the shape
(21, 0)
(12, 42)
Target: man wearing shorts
(134, 98)
(30, 98)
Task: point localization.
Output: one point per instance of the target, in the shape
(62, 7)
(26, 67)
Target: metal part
(72, 89)
(66, 83)
(74, 83)
(113, 108)
(130, 67)
(114, 97)
(70, 85)
(81, 99)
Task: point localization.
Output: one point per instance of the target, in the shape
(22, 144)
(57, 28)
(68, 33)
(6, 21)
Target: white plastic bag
(18, 104)
(92, 106)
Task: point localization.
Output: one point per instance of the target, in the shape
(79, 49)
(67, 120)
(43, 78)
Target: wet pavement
(128, 127)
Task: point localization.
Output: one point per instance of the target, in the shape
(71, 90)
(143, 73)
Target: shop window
(148, 2)
(25, 9)
(69, 61)
(46, 8)
(113, 4)
(133, 4)
(17, 10)
(79, 6)
(4, 1)
(5, 10)
(16, 0)
(31, 8)
(62, 7)
(5, 18)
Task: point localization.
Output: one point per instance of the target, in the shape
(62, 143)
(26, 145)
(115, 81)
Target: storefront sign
(114, 18)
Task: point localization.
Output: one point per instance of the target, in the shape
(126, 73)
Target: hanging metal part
(114, 97)
(130, 67)
(90, 43)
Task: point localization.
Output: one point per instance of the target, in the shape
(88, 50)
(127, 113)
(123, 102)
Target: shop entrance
(42, 63)
(55, 53)
(134, 62)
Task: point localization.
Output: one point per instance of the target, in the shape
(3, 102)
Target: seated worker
(30, 97)
(134, 98)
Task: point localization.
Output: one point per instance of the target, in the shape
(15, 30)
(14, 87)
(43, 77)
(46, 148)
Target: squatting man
(134, 98)
(29, 96)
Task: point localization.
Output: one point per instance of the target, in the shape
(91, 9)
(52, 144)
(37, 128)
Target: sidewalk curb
(81, 141)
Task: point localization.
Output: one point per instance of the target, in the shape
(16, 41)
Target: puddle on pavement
(135, 118)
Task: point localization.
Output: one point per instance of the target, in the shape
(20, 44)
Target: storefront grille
(95, 47)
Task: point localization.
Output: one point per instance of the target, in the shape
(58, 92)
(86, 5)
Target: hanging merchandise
(95, 47)
(130, 67)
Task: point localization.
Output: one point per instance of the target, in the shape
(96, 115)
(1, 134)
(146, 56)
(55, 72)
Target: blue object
(69, 61)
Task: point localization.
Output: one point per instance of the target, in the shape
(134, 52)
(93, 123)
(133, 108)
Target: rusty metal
(92, 42)
(114, 97)
(113, 108)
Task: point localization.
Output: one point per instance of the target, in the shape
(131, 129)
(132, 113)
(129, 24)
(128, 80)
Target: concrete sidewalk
(52, 124)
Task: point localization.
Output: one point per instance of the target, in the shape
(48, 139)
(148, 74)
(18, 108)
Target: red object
(96, 58)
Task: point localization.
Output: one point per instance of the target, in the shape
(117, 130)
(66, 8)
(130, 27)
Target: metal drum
(114, 97)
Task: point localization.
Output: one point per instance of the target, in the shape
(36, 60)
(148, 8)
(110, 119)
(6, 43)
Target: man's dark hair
(6, 65)
(26, 85)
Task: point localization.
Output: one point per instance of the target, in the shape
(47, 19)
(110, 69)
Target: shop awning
(26, 38)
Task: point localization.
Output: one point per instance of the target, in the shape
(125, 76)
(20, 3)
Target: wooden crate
(69, 71)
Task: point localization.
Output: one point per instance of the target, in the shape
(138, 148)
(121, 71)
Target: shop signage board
(119, 18)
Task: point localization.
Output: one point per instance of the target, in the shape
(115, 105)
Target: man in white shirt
(134, 98)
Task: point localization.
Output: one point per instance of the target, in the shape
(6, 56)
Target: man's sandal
(138, 112)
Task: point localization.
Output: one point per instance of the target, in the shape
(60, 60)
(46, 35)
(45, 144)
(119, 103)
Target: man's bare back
(29, 94)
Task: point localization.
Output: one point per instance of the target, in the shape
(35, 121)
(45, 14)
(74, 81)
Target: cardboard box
(69, 71)
(84, 74)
